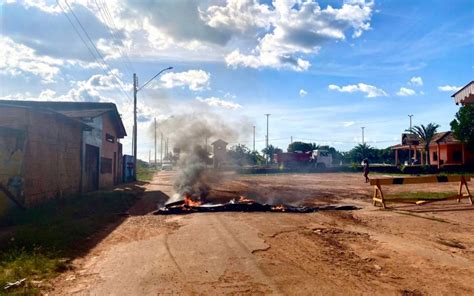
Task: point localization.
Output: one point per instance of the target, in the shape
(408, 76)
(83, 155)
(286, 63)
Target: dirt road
(368, 251)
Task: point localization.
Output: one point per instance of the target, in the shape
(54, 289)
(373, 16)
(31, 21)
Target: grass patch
(421, 195)
(43, 239)
(145, 174)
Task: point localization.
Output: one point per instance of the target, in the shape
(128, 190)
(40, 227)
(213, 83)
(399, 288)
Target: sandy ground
(427, 250)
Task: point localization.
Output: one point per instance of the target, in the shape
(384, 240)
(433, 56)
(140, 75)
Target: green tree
(302, 146)
(239, 154)
(359, 152)
(270, 151)
(425, 134)
(463, 125)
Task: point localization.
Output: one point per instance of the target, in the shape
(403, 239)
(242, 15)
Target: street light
(135, 91)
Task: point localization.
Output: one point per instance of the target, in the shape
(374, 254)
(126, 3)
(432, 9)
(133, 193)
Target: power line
(111, 29)
(93, 45)
(104, 4)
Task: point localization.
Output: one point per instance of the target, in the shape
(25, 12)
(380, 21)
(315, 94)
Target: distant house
(465, 95)
(444, 149)
(95, 142)
(219, 152)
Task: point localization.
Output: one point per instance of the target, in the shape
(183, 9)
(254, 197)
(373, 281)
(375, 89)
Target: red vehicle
(297, 158)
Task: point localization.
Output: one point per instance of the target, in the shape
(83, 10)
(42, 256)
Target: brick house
(40, 155)
(95, 143)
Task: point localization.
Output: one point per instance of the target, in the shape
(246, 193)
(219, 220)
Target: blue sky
(323, 69)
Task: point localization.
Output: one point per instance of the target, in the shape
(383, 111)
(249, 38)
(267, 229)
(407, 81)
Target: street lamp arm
(169, 68)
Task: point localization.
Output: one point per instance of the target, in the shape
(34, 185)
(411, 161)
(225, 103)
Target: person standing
(366, 170)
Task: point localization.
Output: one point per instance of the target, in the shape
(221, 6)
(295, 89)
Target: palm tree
(425, 134)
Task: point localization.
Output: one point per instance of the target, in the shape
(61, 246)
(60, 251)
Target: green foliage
(425, 134)
(45, 237)
(374, 155)
(301, 146)
(463, 125)
(241, 155)
(270, 151)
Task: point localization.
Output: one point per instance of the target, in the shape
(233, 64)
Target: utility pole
(409, 148)
(291, 140)
(149, 157)
(161, 150)
(155, 145)
(363, 141)
(135, 90)
(254, 138)
(134, 138)
(266, 139)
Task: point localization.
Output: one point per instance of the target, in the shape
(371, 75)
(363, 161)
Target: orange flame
(189, 202)
(243, 199)
(280, 208)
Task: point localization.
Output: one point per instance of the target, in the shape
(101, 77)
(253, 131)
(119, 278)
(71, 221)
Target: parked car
(167, 166)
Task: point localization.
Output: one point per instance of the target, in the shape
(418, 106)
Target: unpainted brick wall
(52, 157)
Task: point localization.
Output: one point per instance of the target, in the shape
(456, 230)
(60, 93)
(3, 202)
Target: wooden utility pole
(155, 145)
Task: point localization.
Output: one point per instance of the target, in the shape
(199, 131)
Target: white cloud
(417, 80)
(193, 79)
(449, 88)
(217, 102)
(297, 29)
(404, 92)
(348, 123)
(239, 15)
(370, 90)
(17, 59)
(303, 93)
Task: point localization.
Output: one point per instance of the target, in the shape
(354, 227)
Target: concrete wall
(103, 125)
(51, 163)
(107, 152)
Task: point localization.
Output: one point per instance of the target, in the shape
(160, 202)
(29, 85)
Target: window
(435, 156)
(109, 138)
(105, 165)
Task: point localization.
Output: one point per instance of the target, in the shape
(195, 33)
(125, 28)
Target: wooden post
(396, 156)
(463, 154)
(438, 151)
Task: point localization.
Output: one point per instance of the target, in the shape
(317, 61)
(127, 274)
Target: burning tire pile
(188, 206)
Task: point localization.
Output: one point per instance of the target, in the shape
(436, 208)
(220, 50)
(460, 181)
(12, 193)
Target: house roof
(438, 138)
(219, 141)
(444, 137)
(465, 95)
(75, 121)
(77, 110)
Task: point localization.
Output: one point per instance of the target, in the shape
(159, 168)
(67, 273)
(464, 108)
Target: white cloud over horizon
(449, 88)
(195, 80)
(370, 90)
(405, 92)
(417, 81)
(217, 102)
(302, 93)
